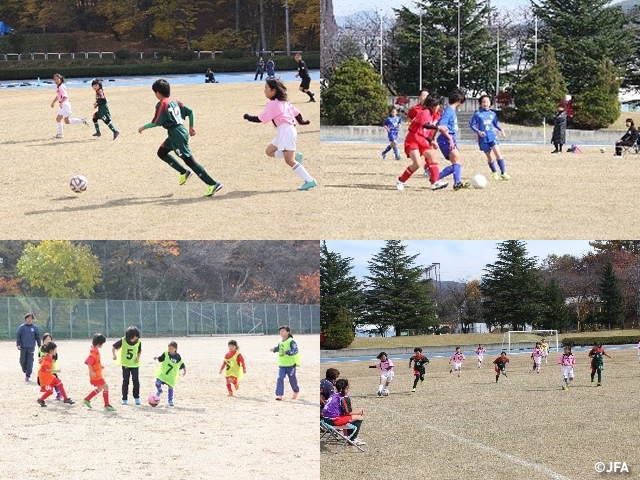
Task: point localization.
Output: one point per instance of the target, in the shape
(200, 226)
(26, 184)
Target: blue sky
(459, 259)
(347, 7)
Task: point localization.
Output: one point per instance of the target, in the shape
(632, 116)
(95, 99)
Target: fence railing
(142, 55)
(73, 318)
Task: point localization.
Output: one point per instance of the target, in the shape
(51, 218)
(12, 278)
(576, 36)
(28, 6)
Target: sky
(347, 7)
(460, 260)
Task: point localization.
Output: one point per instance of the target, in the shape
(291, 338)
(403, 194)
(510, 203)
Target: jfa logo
(613, 467)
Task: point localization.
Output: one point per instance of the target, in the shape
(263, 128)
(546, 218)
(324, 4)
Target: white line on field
(494, 451)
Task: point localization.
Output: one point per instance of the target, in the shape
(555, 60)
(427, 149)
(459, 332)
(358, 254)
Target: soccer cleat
(413, 389)
(97, 134)
(229, 394)
(87, 403)
(184, 177)
(124, 402)
(384, 156)
(505, 176)
(69, 401)
(26, 379)
(299, 157)
(599, 385)
(170, 403)
(359, 442)
(308, 185)
(461, 185)
(495, 175)
(41, 403)
(109, 408)
(439, 185)
(115, 134)
(312, 100)
(211, 189)
(84, 122)
(397, 158)
(295, 395)
(137, 401)
(399, 185)
(279, 397)
(57, 135)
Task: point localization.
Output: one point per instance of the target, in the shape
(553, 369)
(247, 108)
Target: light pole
(458, 43)
(535, 48)
(380, 15)
(420, 76)
(497, 60)
(286, 19)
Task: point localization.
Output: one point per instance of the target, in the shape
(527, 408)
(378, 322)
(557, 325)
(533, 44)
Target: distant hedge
(605, 340)
(95, 67)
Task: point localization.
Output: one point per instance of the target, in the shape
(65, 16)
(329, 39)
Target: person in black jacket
(559, 129)
(629, 139)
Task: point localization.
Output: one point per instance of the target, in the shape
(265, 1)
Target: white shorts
(65, 110)
(480, 358)
(537, 360)
(457, 365)
(387, 376)
(286, 137)
(567, 372)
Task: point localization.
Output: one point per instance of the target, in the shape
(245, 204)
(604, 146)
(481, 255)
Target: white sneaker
(439, 185)
(359, 442)
(57, 135)
(84, 122)
(399, 185)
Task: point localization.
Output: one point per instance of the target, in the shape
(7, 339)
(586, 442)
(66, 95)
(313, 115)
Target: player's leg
(106, 118)
(386, 150)
(456, 167)
(165, 156)
(94, 119)
(48, 391)
(135, 377)
(202, 175)
(431, 165)
(282, 372)
(490, 161)
(304, 87)
(298, 168)
(126, 372)
(159, 384)
(229, 390)
(293, 381)
(501, 163)
(416, 161)
(394, 145)
(59, 126)
(170, 396)
(599, 376)
(105, 396)
(416, 376)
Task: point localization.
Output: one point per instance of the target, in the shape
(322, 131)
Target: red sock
(229, 387)
(434, 173)
(91, 395)
(105, 395)
(46, 395)
(406, 174)
(64, 394)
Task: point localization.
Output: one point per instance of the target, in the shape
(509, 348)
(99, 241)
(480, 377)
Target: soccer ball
(78, 184)
(478, 181)
(602, 150)
(153, 400)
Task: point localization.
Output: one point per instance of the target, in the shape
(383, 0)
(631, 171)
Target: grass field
(244, 437)
(524, 426)
(471, 339)
(566, 196)
(132, 193)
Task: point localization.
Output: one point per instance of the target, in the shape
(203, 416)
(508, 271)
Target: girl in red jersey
(500, 365)
(419, 143)
(234, 367)
(95, 373)
(47, 378)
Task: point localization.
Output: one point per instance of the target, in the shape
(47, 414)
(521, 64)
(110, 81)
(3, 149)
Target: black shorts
(304, 84)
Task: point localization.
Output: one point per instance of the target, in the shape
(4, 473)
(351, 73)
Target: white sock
(302, 172)
(59, 124)
(75, 120)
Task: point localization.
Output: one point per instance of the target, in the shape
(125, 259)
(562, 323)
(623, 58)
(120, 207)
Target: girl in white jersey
(64, 110)
(385, 365)
(283, 115)
(457, 359)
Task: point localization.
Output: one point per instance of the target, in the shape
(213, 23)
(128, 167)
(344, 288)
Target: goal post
(549, 334)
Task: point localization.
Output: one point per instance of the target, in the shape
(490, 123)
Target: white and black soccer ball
(478, 181)
(78, 183)
(602, 150)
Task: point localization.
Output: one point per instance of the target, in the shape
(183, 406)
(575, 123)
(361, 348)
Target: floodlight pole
(535, 48)
(286, 19)
(420, 76)
(458, 43)
(497, 60)
(380, 15)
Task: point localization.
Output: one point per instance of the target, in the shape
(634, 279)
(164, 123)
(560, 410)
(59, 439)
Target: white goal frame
(551, 333)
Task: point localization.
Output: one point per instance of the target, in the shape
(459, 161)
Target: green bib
(232, 368)
(129, 353)
(285, 360)
(168, 371)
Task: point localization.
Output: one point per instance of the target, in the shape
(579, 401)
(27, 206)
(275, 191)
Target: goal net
(514, 337)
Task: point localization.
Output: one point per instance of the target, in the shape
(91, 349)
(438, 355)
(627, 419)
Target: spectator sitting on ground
(209, 77)
(629, 139)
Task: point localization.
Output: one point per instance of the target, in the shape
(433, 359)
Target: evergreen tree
(511, 288)
(354, 96)
(612, 313)
(583, 32)
(601, 246)
(556, 314)
(538, 93)
(338, 288)
(340, 333)
(597, 106)
(395, 295)
(440, 47)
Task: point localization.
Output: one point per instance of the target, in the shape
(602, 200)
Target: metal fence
(73, 318)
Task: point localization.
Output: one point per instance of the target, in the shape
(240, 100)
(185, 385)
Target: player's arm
(241, 363)
(300, 120)
(293, 350)
(183, 368)
(472, 124)
(222, 367)
(251, 118)
(410, 360)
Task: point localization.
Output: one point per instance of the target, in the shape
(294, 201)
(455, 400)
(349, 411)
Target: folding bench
(330, 433)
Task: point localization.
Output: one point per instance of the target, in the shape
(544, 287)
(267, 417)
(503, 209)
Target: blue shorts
(487, 146)
(443, 143)
(392, 136)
